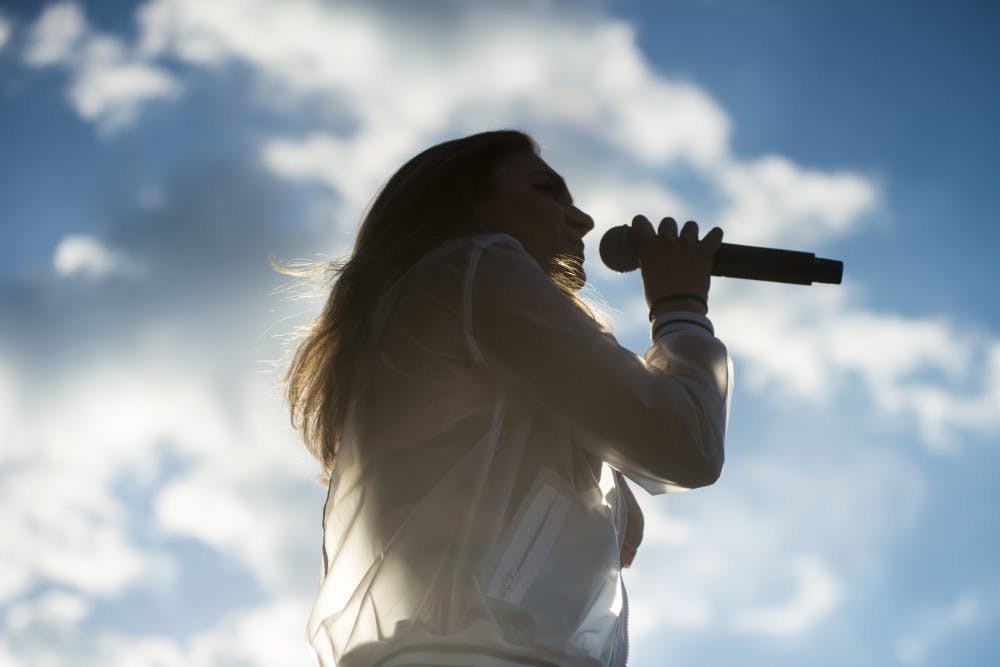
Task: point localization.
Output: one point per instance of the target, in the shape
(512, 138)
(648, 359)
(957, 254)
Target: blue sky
(157, 509)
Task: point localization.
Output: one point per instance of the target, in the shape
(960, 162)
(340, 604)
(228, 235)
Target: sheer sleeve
(659, 419)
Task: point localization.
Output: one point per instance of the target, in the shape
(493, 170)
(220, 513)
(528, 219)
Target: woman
(476, 422)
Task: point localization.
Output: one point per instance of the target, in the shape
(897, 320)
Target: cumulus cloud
(404, 87)
(256, 636)
(8, 400)
(267, 635)
(139, 419)
(770, 555)
(5, 30)
(938, 625)
(109, 83)
(55, 608)
(352, 167)
(771, 199)
(63, 520)
(239, 486)
(614, 201)
(83, 255)
(808, 346)
(55, 35)
(403, 90)
(814, 598)
(74, 537)
(171, 401)
(813, 347)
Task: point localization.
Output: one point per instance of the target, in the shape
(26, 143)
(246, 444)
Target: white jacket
(473, 515)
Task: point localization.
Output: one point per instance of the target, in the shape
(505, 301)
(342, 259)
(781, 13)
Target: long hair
(429, 200)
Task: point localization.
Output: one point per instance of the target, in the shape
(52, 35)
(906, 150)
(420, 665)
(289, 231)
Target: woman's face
(529, 200)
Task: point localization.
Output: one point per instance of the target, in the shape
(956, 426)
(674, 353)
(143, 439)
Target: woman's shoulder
(458, 251)
(482, 240)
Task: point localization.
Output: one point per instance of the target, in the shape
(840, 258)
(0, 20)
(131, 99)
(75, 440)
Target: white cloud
(765, 552)
(8, 400)
(800, 342)
(7, 657)
(816, 594)
(652, 118)
(270, 635)
(83, 255)
(391, 78)
(110, 85)
(399, 89)
(404, 88)
(55, 35)
(353, 167)
(935, 626)
(62, 525)
(114, 419)
(53, 609)
(148, 651)
(941, 411)
(615, 201)
(772, 200)
(108, 82)
(249, 524)
(62, 522)
(309, 44)
(808, 345)
(5, 30)
(45, 632)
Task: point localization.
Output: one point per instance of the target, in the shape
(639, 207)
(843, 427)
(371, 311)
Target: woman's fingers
(689, 233)
(643, 236)
(668, 229)
(674, 263)
(710, 244)
(642, 227)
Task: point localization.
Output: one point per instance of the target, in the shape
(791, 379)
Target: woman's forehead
(524, 163)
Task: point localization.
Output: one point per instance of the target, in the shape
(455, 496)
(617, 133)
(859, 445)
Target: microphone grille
(617, 252)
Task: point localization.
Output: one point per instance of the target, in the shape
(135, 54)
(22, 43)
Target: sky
(156, 509)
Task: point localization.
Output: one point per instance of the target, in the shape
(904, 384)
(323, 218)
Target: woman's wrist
(693, 303)
(680, 320)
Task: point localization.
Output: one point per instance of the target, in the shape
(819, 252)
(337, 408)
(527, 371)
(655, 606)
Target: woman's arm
(661, 419)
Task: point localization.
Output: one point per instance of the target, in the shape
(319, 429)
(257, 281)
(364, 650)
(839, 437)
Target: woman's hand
(635, 524)
(673, 263)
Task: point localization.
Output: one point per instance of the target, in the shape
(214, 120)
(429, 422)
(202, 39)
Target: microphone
(735, 261)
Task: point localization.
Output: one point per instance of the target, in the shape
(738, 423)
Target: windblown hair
(428, 201)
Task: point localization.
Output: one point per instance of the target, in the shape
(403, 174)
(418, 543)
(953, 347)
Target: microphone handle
(774, 265)
(735, 261)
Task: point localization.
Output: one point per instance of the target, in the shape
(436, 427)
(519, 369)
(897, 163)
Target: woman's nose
(580, 221)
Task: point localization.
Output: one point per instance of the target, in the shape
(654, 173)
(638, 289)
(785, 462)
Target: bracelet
(676, 323)
(676, 297)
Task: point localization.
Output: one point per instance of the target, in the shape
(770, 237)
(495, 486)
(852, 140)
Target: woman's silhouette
(475, 422)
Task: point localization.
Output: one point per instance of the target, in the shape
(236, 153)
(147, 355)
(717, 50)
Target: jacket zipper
(530, 545)
(625, 621)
